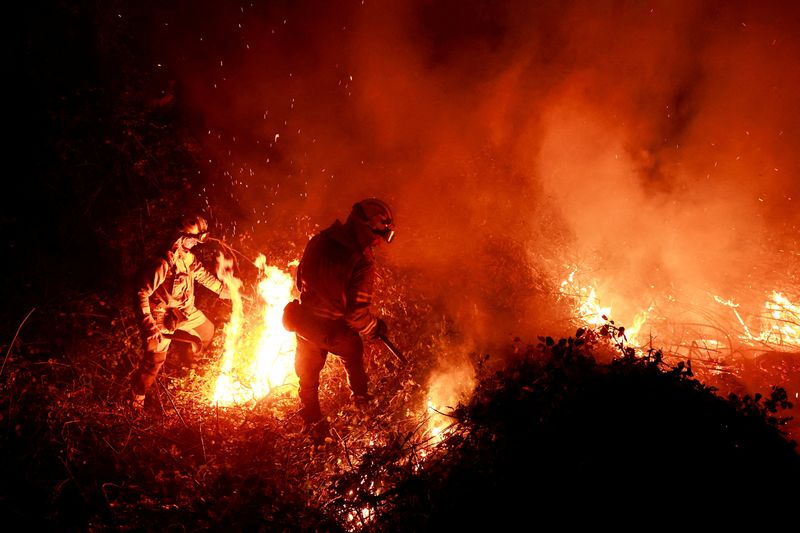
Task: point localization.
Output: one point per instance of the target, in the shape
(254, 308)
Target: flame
(446, 389)
(632, 332)
(362, 517)
(250, 370)
(779, 320)
(589, 311)
(780, 323)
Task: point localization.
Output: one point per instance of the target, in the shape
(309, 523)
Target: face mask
(190, 240)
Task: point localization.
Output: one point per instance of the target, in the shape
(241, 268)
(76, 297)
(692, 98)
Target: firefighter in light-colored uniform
(335, 277)
(166, 300)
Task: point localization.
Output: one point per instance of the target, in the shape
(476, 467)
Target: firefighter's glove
(151, 330)
(380, 329)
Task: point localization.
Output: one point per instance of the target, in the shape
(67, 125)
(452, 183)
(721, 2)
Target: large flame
(255, 362)
(590, 312)
(446, 389)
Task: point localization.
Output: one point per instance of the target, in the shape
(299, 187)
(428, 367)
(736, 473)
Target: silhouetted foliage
(560, 435)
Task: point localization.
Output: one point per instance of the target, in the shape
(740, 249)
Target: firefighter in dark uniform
(166, 302)
(335, 278)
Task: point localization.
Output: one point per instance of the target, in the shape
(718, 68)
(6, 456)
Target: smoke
(650, 143)
(672, 142)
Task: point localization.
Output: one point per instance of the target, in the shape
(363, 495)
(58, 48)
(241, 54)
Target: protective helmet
(377, 215)
(194, 226)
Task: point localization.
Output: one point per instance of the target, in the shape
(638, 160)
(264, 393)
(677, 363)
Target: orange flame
(780, 323)
(446, 389)
(250, 370)
(591, 313)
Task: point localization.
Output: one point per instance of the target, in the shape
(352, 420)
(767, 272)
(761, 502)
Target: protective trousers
(310, 359)
(155, 353)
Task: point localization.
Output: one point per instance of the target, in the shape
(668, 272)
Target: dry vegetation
(551, 425)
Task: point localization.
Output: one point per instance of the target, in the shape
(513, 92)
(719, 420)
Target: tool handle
(392, 348)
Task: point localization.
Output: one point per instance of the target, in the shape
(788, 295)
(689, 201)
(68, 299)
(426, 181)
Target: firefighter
(335, 278)
(166, 303)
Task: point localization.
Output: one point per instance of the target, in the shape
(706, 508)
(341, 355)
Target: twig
(230, 248)
(344, 445)
(110, 446)
(91, 314)
(69, 472)
(441, 413)
(14, 339)
(203, 444)
(169, 396)
(414, 431)
(168, 455)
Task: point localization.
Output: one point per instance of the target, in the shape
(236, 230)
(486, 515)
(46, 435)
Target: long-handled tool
(392, 348)
(184, 336)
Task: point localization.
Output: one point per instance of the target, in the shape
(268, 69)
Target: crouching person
(166, 302)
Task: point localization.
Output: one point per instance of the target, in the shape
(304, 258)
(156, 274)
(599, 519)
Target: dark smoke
(650, 143)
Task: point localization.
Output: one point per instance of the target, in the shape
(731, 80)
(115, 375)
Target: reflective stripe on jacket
(171, 283)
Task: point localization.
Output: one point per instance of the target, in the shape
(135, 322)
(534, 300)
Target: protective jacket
(170, 284)
(336, 277)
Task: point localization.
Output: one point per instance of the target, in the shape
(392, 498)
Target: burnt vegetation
(579, 422)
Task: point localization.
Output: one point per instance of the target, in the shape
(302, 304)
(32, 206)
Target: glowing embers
(256, 361)
(590, 312)
(780, 322)
(359, 519)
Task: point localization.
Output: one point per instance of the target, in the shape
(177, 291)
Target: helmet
(194, 226)
(377, 215)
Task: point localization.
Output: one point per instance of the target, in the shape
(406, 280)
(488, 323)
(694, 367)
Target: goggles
(200, 236)
(387, 233)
